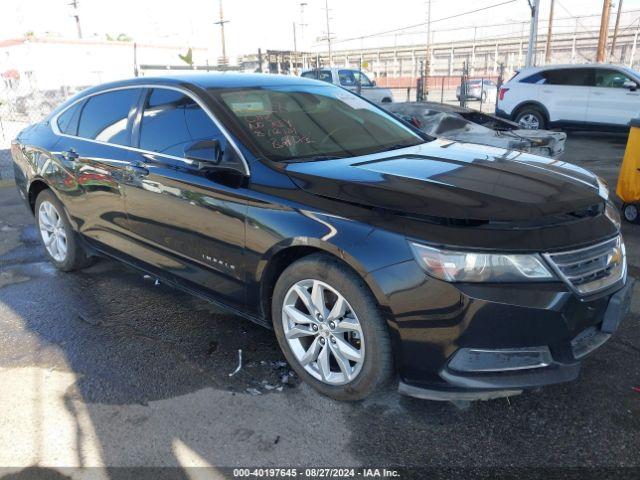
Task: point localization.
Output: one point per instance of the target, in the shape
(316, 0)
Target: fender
(323, 246)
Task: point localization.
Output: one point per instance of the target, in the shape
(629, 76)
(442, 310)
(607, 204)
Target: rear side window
(535, 78)
(68, 120)
(578, 77)
(347, 79)
(324, 75)
(104, 116)
(172, 121)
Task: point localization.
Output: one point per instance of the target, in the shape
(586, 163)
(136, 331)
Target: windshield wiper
(397, 146)
(315, 158)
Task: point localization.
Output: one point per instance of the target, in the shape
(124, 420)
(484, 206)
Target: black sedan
(372, 250)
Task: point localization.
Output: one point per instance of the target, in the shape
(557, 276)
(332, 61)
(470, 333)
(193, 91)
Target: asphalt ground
(104, 368)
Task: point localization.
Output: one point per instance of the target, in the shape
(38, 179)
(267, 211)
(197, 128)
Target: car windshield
(311, 123)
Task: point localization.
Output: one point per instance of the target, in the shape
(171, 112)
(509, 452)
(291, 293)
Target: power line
(423, 23)
(585, 28)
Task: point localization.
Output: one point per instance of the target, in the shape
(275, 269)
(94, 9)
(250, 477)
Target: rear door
(95, 134)
(188, 222)
(611, 100)
(565, 93)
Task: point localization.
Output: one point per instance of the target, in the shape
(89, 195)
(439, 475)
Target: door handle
(137, 170)
(597, 93)
(70, 158)
(70, 155)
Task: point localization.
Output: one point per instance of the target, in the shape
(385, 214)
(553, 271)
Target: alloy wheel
(52, 231)
(529, 121)
(323, 332)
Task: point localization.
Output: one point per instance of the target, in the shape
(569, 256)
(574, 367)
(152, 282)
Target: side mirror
(204, 152)
(633, 86)
(373, 83)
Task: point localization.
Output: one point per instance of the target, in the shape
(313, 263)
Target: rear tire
(317, 343)
(531, 118)
(61, 242)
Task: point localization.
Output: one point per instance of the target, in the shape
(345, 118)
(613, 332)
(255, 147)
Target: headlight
(603, 188)
(612, 214)
(453, 266)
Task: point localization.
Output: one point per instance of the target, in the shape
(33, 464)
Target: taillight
(503, 90)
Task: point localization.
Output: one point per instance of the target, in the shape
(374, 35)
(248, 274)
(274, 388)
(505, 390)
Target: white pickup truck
(348, 78)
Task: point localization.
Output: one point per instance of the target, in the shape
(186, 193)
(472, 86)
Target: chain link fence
(24, 102)
(441, 89)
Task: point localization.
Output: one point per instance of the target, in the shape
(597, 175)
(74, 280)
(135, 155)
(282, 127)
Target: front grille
(591, 269)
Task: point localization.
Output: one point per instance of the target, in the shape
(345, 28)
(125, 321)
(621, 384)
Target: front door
(189, 221)
(612, 99)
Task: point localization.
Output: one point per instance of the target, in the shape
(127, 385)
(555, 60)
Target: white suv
(594, 96)
(348, 78)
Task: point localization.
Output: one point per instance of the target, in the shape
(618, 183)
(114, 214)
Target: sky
(266, 24)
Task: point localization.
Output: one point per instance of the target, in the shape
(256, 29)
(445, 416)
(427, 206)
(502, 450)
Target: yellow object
(628, 188)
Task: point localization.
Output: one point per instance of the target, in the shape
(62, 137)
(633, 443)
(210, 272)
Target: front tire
(61, 242)
(330, 328)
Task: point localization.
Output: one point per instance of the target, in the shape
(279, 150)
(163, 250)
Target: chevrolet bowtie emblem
(615, 257)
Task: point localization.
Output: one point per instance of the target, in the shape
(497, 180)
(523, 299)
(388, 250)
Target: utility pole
(224, 61)
(615, 29)
(326, 7)
(604, 31)
(547, 53)
(427, 64)
(633, 49)
(534, 5)
(301, 27)
(75, 15)
(295, 51)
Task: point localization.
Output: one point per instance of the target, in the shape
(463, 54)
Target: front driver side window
(364, 80)
(611, 79)
(172, 121)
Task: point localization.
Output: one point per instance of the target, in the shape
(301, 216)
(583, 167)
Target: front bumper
(479, 342)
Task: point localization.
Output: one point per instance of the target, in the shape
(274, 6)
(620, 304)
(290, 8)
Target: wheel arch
(531, 103)
(280, 256)
(35, 187)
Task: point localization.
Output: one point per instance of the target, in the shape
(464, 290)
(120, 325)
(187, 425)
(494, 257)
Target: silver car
(348, 78)
(479, 89)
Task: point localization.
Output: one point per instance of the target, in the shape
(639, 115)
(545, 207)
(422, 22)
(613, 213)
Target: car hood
(453, 181)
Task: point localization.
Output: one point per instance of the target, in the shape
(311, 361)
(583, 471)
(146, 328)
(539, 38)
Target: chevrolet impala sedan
(378, 255)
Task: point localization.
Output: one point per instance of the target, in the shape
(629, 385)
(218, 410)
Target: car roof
(333, 69)
(214, 80)
(570, 65)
